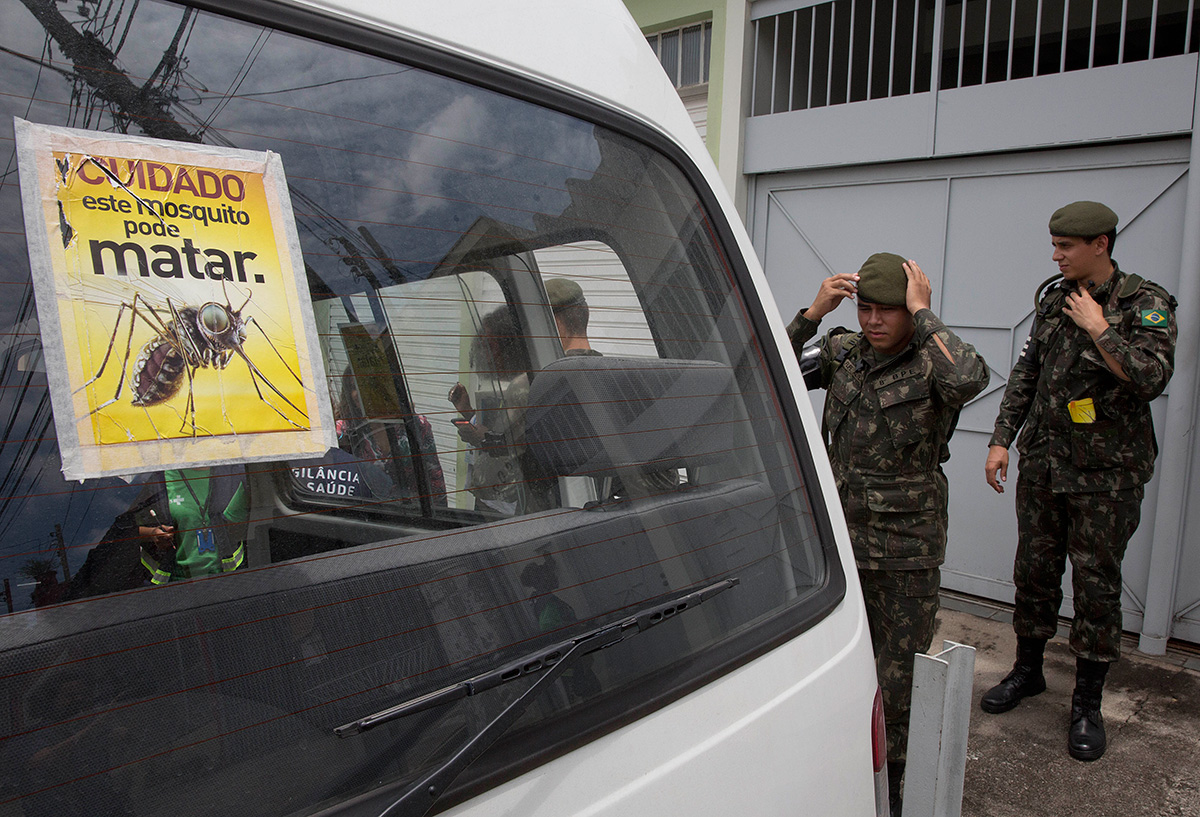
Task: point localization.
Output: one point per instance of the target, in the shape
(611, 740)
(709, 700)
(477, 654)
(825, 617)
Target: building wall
(728, 77)
(977, 226)
(964, 181)
(964, 178)
(1135, 101)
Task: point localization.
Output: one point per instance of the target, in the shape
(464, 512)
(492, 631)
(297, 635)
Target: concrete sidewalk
(1017, 762)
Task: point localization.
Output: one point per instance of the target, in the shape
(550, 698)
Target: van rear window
(550, 406)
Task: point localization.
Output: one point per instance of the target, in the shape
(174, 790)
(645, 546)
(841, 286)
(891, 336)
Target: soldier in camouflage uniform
(894, 391)
(1101, 348)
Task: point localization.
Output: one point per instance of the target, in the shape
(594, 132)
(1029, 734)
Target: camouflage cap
(881, 279)
(563, 293)
(1084, 219)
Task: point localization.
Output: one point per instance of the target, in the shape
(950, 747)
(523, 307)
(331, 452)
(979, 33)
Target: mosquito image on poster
(163, 352)
(172, 275)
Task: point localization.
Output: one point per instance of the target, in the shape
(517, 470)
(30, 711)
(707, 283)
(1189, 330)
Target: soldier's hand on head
(995, 470)
(1088, 315)
(919, 293)
(833, 291)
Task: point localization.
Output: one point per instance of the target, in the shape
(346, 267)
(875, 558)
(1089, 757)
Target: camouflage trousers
(1093, 530)
(902, 610)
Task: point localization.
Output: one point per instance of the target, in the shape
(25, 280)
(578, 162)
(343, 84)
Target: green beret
(1085, 219)
(563, 293)
(881, 279)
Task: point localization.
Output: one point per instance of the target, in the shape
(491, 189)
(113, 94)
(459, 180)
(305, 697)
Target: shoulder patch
(1154, 317)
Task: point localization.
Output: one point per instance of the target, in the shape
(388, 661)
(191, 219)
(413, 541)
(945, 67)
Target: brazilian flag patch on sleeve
(1154, 317)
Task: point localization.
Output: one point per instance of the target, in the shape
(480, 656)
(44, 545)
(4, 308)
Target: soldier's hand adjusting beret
(881, 279)
(1085, 219)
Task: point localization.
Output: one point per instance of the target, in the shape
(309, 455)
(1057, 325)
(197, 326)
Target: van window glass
(185, 642)
(617, 323)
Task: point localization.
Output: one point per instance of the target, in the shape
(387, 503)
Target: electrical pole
(62, 553)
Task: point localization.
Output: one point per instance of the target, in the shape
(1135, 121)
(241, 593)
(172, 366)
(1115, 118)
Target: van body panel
(445, 163)
(708, 749)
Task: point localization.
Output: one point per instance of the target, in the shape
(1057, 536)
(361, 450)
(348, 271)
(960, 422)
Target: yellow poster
(171, 288)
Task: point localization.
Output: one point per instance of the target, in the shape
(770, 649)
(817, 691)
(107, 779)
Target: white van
(494, 575)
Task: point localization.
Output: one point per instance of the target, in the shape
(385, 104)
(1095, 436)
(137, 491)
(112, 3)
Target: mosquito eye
(214, 319)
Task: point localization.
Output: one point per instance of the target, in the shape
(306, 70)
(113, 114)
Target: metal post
(812, 47)
(791, 99)
(1012, 35)
(62, 553)
(912, 62)
(1178, 433)
(829, 62)
(962, 43)
(937, 732)
(850, 53)
(870, 50)
(935, 69)
(892, 50)
(987, 39)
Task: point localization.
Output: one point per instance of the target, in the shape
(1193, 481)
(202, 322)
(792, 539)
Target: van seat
(592, 416)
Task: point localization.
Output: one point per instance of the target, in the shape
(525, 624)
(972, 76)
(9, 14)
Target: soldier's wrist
(813, 313)
(802, 327)
(1109, 340)
(926, 323)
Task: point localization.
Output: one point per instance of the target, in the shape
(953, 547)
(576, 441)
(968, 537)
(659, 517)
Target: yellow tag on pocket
(1082, 411)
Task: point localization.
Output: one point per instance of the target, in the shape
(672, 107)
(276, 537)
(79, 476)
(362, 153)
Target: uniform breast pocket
(842, 393)
(908, 410)
(1042, 334)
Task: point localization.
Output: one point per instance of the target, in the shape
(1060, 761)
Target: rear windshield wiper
(550, 661)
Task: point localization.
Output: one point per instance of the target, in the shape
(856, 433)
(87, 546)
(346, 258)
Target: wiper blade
(550, 662)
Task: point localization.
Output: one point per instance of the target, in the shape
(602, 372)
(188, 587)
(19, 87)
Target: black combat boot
(1085, 737)
(895, 770)
(1025, 680)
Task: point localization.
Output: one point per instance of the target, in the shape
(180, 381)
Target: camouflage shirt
(1085, 429)
(887, 422)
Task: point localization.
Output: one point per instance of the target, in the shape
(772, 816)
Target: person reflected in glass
(495, 426)
(382, 449)
(200, 528)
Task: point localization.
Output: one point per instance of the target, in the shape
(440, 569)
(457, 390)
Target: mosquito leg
(255, 376)
(108, 352)
(150, 420)
(250, 319)
(183, 340)
(190, 409)
(183, 422)
(225, 415)
(123, 429)
(134, 315)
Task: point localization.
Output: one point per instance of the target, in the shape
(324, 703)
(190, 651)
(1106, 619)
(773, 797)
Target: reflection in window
(434, 219)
